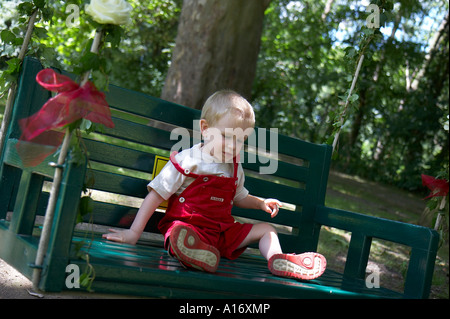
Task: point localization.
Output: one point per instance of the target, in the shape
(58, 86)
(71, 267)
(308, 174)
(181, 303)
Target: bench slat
(139, 133)
(281, 192)
(119, 184)
(301, 149)
(284, 217)
(120, 216)
(151, 107)
(288, 171)
(120, 156)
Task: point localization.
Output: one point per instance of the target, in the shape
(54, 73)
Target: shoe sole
(191, 251)
(294, 266)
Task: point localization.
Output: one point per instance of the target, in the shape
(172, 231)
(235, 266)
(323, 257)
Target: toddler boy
(202, 184)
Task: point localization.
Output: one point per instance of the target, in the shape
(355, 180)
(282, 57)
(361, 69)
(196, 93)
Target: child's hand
(122, 236)
(271, 206)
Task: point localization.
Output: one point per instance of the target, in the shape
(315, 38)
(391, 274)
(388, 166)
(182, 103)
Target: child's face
(224, 140)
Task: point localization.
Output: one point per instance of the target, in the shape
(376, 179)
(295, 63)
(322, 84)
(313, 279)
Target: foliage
(392, 133)
(144, 51)
(13, 33)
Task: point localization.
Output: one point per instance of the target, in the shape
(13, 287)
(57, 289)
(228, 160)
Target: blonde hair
(228, 102)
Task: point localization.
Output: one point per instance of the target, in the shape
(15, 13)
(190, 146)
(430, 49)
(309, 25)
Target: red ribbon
(438, 187)
(71, 104)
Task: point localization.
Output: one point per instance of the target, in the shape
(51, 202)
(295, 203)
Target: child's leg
(266, 234)
(304, 266)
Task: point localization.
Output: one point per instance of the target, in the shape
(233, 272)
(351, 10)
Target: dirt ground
(13, 285)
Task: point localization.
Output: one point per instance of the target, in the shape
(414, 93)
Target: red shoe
(191, 251)
(305, 266)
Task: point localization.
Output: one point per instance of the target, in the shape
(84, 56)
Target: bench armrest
(422, 240)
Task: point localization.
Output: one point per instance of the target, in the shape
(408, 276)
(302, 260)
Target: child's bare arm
(145, 212)
(269, 205)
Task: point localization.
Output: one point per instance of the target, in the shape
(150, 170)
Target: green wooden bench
(122, 161)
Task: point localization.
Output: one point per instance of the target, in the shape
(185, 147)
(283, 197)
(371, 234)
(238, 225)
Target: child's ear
(203, 126)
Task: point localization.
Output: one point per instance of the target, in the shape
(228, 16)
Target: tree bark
(434, 44)
(217, 47)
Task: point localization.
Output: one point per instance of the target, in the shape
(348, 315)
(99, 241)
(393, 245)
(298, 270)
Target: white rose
(109, 11)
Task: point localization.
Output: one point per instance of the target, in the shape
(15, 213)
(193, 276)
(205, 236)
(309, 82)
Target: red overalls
(205, 206)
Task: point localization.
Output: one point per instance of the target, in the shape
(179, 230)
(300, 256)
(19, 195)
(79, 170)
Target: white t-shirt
(170, 181)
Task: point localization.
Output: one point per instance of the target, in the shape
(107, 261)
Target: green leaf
(40, 32)
(90, 61)
(367, 31)
(113, 35)
(85, 280)
(85, 125)
(39, 3)
(100, 79)
(329, 140)
(14, 65)
(25, 8)
(85, 206)
(7, 36)
(47, 13)
(354, 97)
(77, 248)
(18, 41)
(350, 52)
(48, 53)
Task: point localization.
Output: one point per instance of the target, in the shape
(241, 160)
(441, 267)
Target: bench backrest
(121, 161)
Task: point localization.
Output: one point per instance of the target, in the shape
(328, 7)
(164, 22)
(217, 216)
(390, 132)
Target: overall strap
(186, 171)
(235, 165)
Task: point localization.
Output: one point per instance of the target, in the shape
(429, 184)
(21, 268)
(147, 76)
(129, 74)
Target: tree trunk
(217, 47)
(434, 44)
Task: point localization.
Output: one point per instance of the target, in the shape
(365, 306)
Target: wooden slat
(284, 217)
(139, 133)
(265, 189)
(285, 170)
(12, 158)
(120, 156)
(301, 149)
(119, 184)
(151, 107)
(121, 216)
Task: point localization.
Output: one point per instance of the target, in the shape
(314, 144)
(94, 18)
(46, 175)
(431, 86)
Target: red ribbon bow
(438, 187)
(71, 104)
